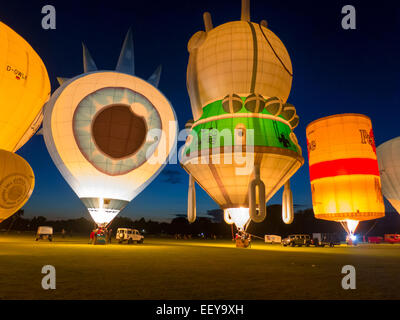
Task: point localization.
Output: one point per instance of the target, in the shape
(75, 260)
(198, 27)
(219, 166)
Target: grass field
(193, 269)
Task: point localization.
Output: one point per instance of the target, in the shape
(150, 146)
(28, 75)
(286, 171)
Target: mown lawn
(193, 269)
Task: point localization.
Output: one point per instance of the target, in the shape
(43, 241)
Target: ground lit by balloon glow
(191, 269)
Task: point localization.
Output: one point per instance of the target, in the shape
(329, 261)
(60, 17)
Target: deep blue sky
(335, 71)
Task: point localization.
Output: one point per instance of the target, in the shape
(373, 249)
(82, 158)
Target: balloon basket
(243, 241)
(100, 239)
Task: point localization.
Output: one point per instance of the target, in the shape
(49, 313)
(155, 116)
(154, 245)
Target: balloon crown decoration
(125, 64)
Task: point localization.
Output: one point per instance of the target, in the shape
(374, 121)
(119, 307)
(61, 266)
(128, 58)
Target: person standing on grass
(91, 236)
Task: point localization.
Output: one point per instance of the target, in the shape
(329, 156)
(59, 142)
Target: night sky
(335, 71)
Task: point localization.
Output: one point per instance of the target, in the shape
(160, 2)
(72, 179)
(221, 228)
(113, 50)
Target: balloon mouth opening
(238, 216)
(102, 217)
(103, 210)
(350, 226)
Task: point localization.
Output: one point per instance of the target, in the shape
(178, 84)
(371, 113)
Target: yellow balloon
(344, 174)
(16, 183)
(24, 89)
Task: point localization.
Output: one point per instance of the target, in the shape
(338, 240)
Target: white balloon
(98, 128)
(388, 155)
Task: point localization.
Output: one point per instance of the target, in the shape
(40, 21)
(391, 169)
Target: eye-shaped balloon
(109, 133)
(24, 89)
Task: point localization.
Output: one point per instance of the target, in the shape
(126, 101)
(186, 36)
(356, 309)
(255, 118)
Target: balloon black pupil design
(118, 132)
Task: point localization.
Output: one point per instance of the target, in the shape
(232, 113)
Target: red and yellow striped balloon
(344, 174)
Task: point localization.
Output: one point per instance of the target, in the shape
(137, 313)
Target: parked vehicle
(297, 240)
(270, 238)
(44, 232)
(392, 238)
(130, 235)
(325, 239)
(375, 239)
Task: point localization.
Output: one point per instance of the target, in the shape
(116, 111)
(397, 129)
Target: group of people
(100, 234)
(243, 239)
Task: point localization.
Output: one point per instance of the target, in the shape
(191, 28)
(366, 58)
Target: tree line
(211, 225)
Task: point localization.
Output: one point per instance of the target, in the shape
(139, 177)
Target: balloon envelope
(102, 130)
(389, 168)
(344, 173)
(239, 77)
(16, 183)
(24, 88)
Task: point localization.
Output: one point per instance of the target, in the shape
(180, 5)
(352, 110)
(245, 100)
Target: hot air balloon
(16, 185)
(24, 89)
(241, 148)
(389, 169)
(344, 172)
(109, 133)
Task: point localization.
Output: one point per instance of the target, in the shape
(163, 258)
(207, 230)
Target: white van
(270, 238)
(44, 232)
(130, 235)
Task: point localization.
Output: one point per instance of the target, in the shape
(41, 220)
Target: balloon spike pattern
(88, 63)
(126, 61)
(155, 77)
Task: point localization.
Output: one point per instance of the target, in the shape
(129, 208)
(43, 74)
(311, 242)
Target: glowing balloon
(16, 183)
(344, 172)
(24, 89)
(389, 168)
(241, 147)
(109, 133)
